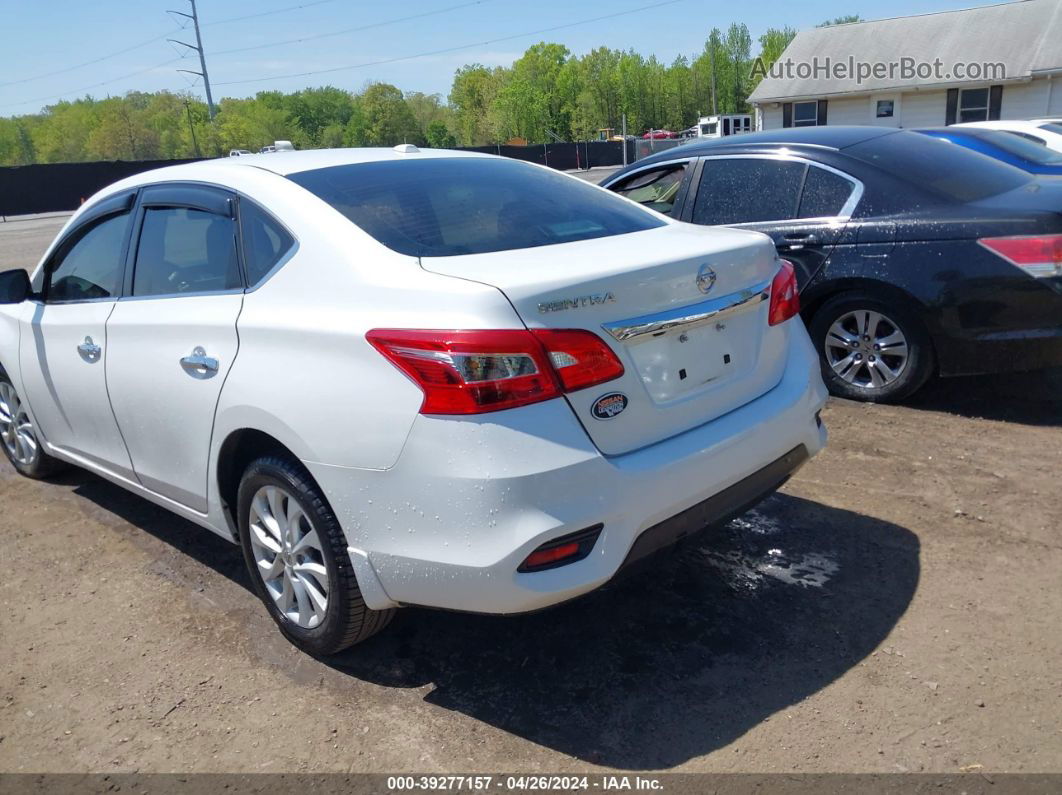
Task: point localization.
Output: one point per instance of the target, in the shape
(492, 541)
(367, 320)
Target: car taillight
(1037, 255)
(580, 359)
(471, 372)
(785, 297)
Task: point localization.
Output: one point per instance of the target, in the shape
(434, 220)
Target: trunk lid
(683, 307)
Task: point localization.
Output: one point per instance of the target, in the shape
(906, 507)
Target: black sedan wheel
(871, 350)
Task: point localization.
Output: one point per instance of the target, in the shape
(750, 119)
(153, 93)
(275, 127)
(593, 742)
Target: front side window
(973, 104)
(656, 188)
(90, 267)
(747, 190)
(265, 242)
(805, 114)
(448, 206)
(825, 194)
(185, 251)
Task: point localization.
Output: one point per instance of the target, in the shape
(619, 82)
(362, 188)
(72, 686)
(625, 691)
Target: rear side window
(825, 194)
(92, 266)
(185, 251)
(939, 166)
(265, 242)
(746, 190)
(441, 207)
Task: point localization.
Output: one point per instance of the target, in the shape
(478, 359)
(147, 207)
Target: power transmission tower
(194, 16)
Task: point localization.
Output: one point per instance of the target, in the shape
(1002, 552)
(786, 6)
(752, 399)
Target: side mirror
(14, 286)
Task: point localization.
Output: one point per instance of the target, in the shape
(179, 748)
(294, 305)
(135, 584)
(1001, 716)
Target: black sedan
(914, 256)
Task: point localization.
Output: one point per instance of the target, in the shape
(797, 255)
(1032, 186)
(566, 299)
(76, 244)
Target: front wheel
(871, 350)
(19, 437)
(297, 556)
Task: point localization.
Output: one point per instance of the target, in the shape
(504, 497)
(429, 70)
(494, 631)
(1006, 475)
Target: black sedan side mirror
(14, 286)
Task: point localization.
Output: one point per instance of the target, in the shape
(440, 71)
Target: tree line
(546, 95)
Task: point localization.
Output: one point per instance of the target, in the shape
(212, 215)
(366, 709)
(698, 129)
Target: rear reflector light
(785, 297)
(471, 372)
(562, 551)
(1037, 255)
(542, 557)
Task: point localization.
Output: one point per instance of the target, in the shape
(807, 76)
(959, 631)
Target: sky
(64, 49)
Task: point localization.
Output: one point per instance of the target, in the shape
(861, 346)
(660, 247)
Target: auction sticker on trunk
(608, 406)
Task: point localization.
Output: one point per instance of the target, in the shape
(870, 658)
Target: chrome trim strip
(690, 316)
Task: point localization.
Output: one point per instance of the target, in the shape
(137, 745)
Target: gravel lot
(895, 608)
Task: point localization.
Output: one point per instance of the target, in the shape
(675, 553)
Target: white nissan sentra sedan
(404, 377)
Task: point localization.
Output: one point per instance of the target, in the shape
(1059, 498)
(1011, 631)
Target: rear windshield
(441, 207)
(1022, 147)
(939, 166)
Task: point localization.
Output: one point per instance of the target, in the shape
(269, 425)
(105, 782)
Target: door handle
(199, 364)
(797, 240)
(89, 350)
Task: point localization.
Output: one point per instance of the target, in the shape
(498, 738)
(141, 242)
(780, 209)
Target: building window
(805, 114)
(973, 104)
(885, 107)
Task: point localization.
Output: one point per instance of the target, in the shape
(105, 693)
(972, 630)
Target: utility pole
(191, 127)
(711, 55)
(624, 135)
(194, 16)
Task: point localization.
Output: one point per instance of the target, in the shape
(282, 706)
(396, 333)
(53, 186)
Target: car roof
(830, 137)
(292, 162)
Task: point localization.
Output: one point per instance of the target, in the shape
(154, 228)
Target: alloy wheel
(288, 554)
(16, 428)
(866, 349)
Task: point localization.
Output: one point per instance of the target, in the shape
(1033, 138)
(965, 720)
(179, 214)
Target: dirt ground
(895, 608)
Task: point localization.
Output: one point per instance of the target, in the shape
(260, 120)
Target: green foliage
(845, 20)
(547, 94)
(439, 136)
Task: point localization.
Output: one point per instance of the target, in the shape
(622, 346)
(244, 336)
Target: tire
(869, 366)
(293, 596)
(23, 449)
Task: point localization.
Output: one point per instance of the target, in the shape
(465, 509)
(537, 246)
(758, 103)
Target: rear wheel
(18, 437)
(871, 350)
(297, 557)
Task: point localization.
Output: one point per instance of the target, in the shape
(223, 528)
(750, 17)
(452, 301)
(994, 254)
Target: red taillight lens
(471, 372)
(580, 359)
(785, 298)
(1037, 255)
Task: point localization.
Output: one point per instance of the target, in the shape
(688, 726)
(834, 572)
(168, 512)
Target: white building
(994, 62)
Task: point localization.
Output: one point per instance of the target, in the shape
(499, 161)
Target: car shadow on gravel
(675, 661)
(670, 663)
(1025, 398)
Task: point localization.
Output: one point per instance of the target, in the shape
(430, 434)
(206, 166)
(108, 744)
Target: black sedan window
(746, 190)
(441, 207)
(939, 166)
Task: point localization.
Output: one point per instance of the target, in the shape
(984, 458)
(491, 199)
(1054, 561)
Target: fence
(53, 187)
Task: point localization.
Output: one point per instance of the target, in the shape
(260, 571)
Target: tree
(439, 136)
(845, 20)
(387, 118)
(474, 89)
(122, 133)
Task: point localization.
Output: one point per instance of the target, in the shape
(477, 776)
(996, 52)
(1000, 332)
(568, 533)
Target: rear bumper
(717, 509)
(469, 499)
